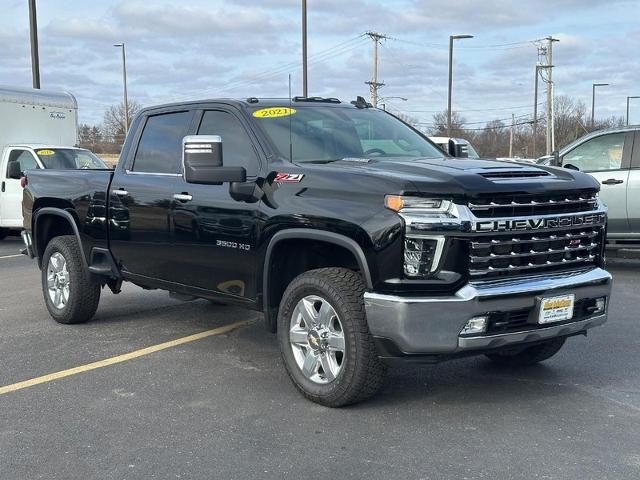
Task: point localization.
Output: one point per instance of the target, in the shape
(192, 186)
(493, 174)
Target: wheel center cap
(317, 339)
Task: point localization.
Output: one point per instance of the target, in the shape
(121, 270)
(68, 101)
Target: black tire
(528, 355)
(362, 374)
(84, 295)
(3, 233)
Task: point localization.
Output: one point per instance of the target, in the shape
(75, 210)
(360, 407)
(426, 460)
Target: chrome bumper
(432, 325)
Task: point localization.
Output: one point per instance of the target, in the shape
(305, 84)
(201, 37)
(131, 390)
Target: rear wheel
(3, 233)
(69, 293)
(529, 355)
(324, 339)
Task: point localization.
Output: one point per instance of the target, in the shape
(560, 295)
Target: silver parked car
(612, 156)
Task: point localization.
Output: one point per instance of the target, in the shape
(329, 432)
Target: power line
(504, 46)
(494, 127)
(323, 55)
(463, 110)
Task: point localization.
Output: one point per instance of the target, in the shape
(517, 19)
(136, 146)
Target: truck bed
(83, 194)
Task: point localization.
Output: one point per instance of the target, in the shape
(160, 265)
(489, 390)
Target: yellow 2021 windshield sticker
(46, 153)
(274, 112)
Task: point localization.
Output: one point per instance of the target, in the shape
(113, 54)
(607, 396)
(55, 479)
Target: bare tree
(440, 124)
(114, 120)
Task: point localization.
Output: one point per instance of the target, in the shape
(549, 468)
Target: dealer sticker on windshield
(556, 309)
(45, 153)
(274, 112)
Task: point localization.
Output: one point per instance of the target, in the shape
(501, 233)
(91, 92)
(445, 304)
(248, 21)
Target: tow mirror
(458, 148)
(14, 170)
(555, 159)
(202, 161)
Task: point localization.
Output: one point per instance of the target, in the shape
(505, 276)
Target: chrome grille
(519, 253)
(524, 205)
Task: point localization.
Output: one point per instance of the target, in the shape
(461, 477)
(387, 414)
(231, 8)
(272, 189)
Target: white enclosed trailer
(29, 119)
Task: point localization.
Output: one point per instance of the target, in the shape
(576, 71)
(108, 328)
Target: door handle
(182, 197)
(612, 181)
(3, 185)
(121, 192)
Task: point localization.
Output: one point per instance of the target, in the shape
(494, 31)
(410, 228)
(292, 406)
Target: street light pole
(305, 90)
(124, 82)
(451, 39)
(35, 57)
(629, 98)
(593, 101)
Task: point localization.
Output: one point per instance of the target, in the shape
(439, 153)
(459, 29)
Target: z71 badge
(288, 177)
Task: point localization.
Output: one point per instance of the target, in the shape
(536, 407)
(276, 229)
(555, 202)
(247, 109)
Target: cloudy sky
(237, 48)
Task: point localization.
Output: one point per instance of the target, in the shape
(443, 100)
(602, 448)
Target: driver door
(607, 158)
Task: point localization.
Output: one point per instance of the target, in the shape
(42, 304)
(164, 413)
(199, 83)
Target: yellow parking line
(122, 358)
(12, 256)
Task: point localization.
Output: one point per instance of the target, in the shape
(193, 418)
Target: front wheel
(324, 340)
(529, 355)
(69, 293)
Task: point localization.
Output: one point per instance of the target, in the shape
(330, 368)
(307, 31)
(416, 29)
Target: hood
(460, 177)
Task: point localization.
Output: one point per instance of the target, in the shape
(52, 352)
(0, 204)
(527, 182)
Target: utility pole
(124, 82)
(551, 141)
(628, 98)
(513, 126)
(374, 85)
(451, 39)
(35, 58)
(305, 90)
(593, 101)
(535, 111)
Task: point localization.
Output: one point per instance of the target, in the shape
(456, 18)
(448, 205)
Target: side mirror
(555, 160)
(202, 161)
(14, 170)
(458, 148)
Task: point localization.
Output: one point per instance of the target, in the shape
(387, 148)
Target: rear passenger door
(141, 196)
(607, 158)
(214, 235)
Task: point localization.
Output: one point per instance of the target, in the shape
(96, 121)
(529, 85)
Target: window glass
(322, 133)
(68, 158)
(160, 146)
(237, 147)
(26, 159)
(598, 154)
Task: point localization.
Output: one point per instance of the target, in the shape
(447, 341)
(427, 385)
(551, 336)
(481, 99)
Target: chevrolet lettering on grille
(520, 224)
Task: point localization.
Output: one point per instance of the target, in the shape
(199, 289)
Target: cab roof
(270, 102)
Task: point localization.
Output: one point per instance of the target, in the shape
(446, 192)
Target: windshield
(68, 159)
(321, 133)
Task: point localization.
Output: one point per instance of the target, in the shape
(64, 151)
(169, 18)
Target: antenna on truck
(290, 124)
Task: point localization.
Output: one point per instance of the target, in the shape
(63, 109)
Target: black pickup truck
(359, 239)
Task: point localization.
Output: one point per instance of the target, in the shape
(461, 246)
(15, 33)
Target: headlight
(422, 255)
(430, 207)
(422, 249)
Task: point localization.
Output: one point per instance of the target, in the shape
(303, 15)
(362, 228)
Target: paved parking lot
(222, 406)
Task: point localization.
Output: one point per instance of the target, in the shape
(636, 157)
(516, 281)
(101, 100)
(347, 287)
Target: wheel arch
(50, 222)
(272, 289)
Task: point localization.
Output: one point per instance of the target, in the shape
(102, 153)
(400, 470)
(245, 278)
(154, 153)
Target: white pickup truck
(38, 129)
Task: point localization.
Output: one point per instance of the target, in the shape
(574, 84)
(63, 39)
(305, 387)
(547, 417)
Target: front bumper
(432, 325)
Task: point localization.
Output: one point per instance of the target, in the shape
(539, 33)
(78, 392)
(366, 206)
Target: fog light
(475, 325)
(600, 305)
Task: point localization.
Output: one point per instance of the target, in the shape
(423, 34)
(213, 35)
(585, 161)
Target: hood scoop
(513, 174)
